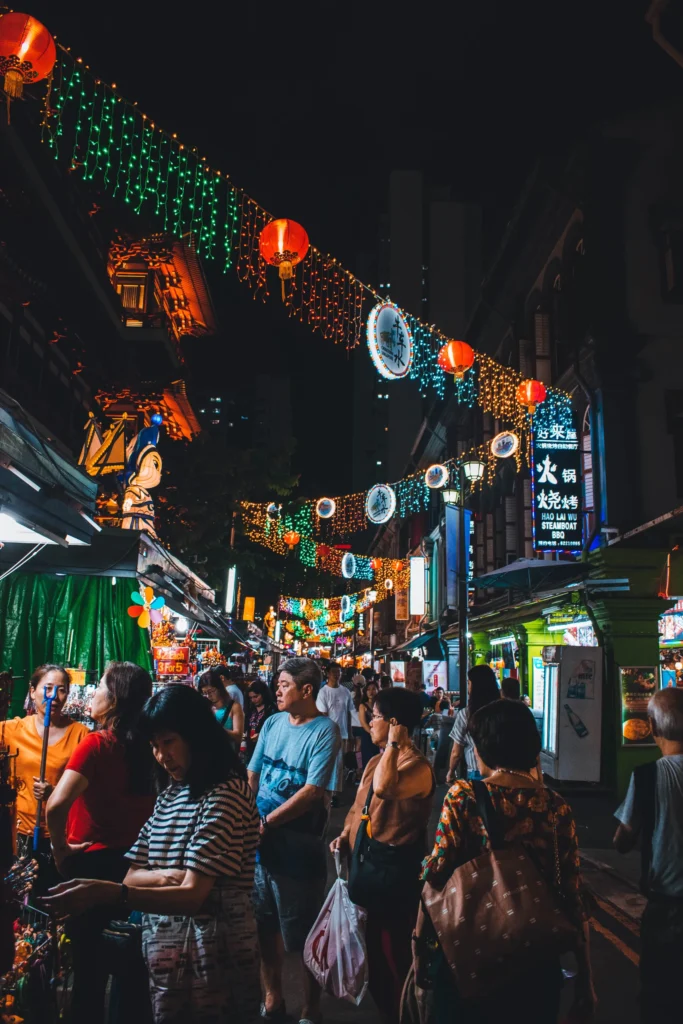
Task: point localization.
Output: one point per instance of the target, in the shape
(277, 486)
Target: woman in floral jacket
(507, 746)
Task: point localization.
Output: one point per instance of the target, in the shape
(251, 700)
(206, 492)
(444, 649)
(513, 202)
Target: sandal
(279, 1016)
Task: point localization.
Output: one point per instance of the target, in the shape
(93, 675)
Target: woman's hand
(450, 776)
(340, 844)
(81, 894)
(66, 850)
(398, 733)
(41, 790)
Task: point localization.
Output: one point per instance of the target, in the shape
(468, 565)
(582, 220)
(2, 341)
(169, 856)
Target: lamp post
(468, 473)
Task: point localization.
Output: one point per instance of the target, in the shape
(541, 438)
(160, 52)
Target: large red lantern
(27, 52)
(291, 539)
(530, 394)
(283, 244)
(456, 357)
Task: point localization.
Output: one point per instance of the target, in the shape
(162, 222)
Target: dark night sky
(310, 106)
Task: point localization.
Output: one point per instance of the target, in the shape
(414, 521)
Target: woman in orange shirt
(24, 737)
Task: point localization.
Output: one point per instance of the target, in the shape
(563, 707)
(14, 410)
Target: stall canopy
(44, 497)
(533, 574)
(428, 640)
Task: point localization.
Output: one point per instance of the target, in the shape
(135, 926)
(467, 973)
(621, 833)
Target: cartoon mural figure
(142, 473)
(269, 621)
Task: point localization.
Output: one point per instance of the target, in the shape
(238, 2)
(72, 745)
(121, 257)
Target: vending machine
(572, 713)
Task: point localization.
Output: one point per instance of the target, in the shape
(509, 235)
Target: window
(215, 422)
(131, 289)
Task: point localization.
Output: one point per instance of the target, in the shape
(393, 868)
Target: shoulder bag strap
(487, 812)
(365, 822)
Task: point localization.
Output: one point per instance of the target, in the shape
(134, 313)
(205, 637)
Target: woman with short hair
(368, 747)
(482, 688)
(261, 706)
(191, 870)
(393, 803)
(507, 745)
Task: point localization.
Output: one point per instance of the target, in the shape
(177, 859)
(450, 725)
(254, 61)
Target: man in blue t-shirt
(293, 772)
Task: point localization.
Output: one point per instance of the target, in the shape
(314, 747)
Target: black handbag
(383, 877)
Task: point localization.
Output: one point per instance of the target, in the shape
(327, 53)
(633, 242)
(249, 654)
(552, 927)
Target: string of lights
(106, 137)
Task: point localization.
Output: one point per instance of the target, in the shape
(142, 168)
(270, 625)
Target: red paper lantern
(27, 52)
(398, 565)
(324, 550)
(530, 394)
(283, 244)
(291, 539)
(376, 564)
(456, 357)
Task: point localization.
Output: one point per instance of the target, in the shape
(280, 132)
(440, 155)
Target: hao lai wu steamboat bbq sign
(556, 490)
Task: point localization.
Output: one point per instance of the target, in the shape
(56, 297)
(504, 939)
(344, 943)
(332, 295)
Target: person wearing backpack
(653, 810)
(501, 898)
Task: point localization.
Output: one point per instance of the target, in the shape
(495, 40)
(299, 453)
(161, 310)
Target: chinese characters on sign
(390, 341)
(556, 474)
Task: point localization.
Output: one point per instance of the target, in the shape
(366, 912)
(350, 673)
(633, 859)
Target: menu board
(637, 683)
(172, 661)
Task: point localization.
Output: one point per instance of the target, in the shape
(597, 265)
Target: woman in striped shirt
(192, 870)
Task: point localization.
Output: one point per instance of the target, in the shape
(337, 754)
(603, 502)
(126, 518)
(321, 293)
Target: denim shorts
(287, 905)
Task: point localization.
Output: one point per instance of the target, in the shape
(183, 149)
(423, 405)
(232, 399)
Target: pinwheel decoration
(146, 607)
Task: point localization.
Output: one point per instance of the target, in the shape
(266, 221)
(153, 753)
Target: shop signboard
(401, 614)
(556, 488)
(637, 684)
(171, 661)
(398, 672)
(435, 673)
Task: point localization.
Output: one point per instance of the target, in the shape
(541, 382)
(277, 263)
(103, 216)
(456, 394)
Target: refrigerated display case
(572, 713)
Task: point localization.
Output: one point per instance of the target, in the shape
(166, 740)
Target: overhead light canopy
(13, 532)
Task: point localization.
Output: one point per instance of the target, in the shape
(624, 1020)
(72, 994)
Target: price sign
(172, 661)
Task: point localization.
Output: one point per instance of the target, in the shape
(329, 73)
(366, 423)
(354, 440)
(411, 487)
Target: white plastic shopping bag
(335, 952)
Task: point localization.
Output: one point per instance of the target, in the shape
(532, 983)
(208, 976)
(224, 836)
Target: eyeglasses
(376, 718)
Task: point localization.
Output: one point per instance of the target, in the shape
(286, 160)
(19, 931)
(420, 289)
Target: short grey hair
(666, 714)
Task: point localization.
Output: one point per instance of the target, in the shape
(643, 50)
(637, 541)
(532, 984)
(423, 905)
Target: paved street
(615, 912)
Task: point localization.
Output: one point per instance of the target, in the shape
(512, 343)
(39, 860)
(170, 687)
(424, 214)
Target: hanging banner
(556, 488)
(402, 605)
(454, 517)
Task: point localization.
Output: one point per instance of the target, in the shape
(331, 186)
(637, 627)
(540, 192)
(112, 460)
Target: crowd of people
(202, 814)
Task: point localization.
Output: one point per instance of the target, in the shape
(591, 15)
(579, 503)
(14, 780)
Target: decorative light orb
(326, 507)
(450, 496)
(380, 504)
(389, 584)
(345, 606)
(372, 596)
(436, 476)
(157, 419)
(473, 470)
(273, 511)
(326, 602)
(348, 566)
(27, 52)
(456, 357)
(291, 539)
(530, 394)
(504, 444)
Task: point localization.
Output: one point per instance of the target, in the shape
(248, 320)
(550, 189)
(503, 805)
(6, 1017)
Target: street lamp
(473, 470)
(450, 496)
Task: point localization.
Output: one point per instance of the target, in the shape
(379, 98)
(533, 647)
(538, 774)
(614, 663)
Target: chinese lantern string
(111, 139)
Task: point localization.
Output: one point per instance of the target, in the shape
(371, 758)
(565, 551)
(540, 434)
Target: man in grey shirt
(653, 810)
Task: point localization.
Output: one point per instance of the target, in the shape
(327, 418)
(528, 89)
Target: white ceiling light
(12, 532)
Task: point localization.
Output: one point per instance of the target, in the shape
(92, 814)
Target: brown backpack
(496, 916)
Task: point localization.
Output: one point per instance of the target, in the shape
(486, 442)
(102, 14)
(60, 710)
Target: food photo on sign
(638, 685)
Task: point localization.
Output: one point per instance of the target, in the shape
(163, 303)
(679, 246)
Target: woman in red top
(95, 814)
